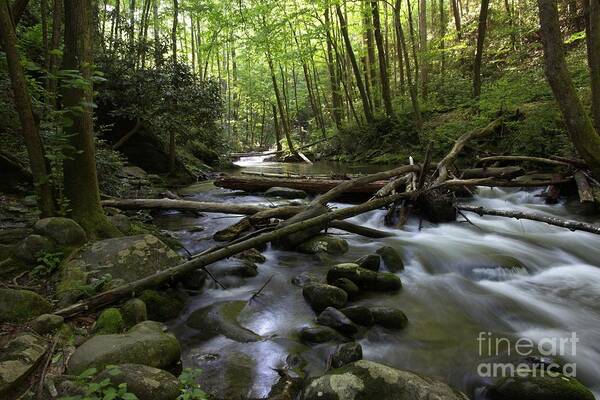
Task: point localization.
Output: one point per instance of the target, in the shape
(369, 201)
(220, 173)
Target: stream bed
(491, 278)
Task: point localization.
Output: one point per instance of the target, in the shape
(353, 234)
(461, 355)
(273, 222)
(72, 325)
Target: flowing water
(496, 277)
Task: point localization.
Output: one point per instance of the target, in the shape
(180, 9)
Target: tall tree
(29, 128)
(81, 180)
(423, 47)
(593, 52)
(481, 31)
(175, 80)
(383, 74)
(457, 19)
(579, 125)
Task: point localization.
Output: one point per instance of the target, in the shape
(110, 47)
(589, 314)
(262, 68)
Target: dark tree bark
(53, 59)
(481, 30)
(156, 29)
(355, 68)
(29, 128)
(174, 61)
(81, 181)
(131, 30)
(370, 62)
(457, 19)
(336, 98)
(383, 74)
(17, 10)
(593, 51)
(284, 123)
(579, 126)
(276, 128)
(423, 48)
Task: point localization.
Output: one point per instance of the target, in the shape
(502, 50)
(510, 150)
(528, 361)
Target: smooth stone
(146, 343)
(221, 319)
(109, 321)
(134, 311)
(305, 279)
(147, 383)
(63, 231)
(391, 259)
(347, 286)
(320, 296)
(388, 317)
(335, 319)
(251, 255)
(364, 278)
(360, 315)
(47, 323)
(367, 380)
(346, 353)
(33, 247)
(21, 305)
(557, 387)
(286, 193)
(370, 261)
(324, 243)
(18, 360)
(320, 334)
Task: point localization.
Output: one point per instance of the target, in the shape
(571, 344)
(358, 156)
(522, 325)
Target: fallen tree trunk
(360, 230)
(538, 160)
(292, 175)
(563, 223)
(586, 195)
(160, 278)
(185, 205)
(492, 172)
(310, 185)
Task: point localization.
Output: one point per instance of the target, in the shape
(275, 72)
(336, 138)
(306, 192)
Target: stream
(499, 277)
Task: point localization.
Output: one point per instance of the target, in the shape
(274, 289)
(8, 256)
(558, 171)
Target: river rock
(146, 343)
(21, 305)
(134, 311)
(121, 222)
(324, 243)
(17, 360)
(360, 315)
(47, 323)
(194, 280)
(366, 380)
(63, 231)
(320, 296)
(252, 255)
(305, 278)
(537, 387)
(147, 383)
(335, 319)
(388, 317)
(230, 376)
(391, 259)
(364, 278)
(346, 353)
(243, 268)
(347, 286)
(370, 261)
(162, 306)
(221, 319)
(109, 321)
(320, 334)
(286, 193)
(129, 258)
(33, 247)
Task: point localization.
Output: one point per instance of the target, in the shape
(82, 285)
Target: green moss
(21, 305)
(109, 321)
(161, 306)
(535, 387)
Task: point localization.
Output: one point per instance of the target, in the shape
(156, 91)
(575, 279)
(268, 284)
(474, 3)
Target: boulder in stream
(324, 243)
(146, 343)
(346, 353)
(305, 278)
(286, 193)
(364, 278)
(389, 317)
(539, 386)
(360, 315)
(221, 319)
(335, 319)
(391, 259)
(320, 296)
(367, 380)
(347, 286)
(320, 334)
(370, 261)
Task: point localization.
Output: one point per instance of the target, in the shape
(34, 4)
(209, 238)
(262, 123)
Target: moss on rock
(161, 306)
(109, 321)
(21, 305)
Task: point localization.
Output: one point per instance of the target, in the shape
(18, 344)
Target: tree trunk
(413, 41)
(370, 62)
(172, 147)
(285, 126)
(81, 181)
(593, 51)
(423, 48)
(357, 75)
(384, 79)
(481, 30)
(131, 30)
(336, 98)
(156, 29)
(53, 59)
(276, 128)
(17, 11)
(457, 21)
(579, 125)
(29, 128)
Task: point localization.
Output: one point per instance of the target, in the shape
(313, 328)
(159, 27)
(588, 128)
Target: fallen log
(584, 189)
(360, 230)
(538, 160)
(160, 278)
(563, 223)
(184, 205)
(310, 185)
(492, 172)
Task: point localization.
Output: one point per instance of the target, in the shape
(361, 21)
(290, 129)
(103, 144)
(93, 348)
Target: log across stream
(514, 278)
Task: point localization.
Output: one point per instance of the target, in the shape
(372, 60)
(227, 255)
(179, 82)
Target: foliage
(101, 390)
(48, 264)
(190, 390)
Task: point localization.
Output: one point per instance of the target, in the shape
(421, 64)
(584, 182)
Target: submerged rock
(366, 380)
(222, 319)
(370, 261)
(305, 278)
(230, 376)
(63, 231)
(320, 334)
(147, 383)
(251, 255)
(324, 243)
(360, 315)
(391, 259)
(364, 278)
(286, 193)
(320, 296)
(128, 258)
(21, 305)
(388, 317)
(346, 353)
(17, 360)
(537, 387)
(337, 320)
(146, 343)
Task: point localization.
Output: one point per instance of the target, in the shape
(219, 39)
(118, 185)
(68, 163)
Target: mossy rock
(21, 305)
(161, 306)
(391, 259)
(33, 247)
(324, 244)
(320, 296)
(222, 319)
(147, 383)
(109, 321)
(365, 278)
(63, 231)
(47, 323)
(134, 311)
(537, 387)
(18, 359)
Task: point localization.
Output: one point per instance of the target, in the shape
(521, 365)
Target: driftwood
(360, 230)
(563, 223)
(586, 195)
(160, 278)
(273, 152)
(538, 160)
(492, 172)
(292, 175)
